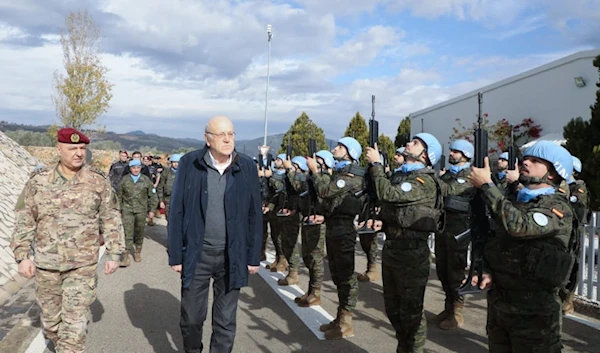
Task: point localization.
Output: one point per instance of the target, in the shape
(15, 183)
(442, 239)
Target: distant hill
(138, 140)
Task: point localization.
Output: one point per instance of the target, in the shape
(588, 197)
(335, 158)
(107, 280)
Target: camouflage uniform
(137, 199)
(290, 225)
(451, 257)
(61, 219)
(277, 188)
(408, 202)
(501, 183)
(529, 262)
(165, 188)
(340, 207)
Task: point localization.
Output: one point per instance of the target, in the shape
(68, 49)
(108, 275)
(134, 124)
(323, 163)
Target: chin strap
(527, 180)
(414, 156)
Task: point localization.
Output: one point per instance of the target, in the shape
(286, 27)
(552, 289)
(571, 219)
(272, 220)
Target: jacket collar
(234, 166)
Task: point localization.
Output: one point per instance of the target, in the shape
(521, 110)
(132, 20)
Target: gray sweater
(215, 231)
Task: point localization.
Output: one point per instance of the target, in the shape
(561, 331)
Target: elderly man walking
(60, 213)
(215, 231)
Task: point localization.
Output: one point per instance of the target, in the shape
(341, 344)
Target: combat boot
(274, 263)
(297, 300)
(444, 314)
(329, 326)
(454, 321)
(137, 255)
(151, 222)
(342, 329)
(291, 278)
(282, 265)
(370, 276)
(125, 262)
(314, 298)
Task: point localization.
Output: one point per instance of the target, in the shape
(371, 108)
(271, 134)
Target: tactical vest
(422, 216)
(579, 200)
(346, 204)
(541, 264)
(459, 203)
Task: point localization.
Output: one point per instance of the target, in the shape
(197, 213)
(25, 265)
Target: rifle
(511, 150)
(370, 209)
(264, 182)
(479, 222)
(288, 151)
(440, 165)
(310, 192)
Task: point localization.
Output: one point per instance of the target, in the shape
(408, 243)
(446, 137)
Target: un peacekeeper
(138, 200)
(579, 198)
(266, 195)
(528, 258)
(411, 207)
(165, 185)
(290, 224)
(451, 257)
(340, 206)
(313, 237)
(59, 215)
(277, 202)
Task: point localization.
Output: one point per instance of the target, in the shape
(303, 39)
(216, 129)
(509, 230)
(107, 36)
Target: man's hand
(26, 268)
(485, 283)
(162, 204)
(373, 154)
(442, 172)
(512, 175)
(287, 164)
(268, 172)
(150, 214)
(261, 172)
(265, 210)
(177, 268)
(480, 176)
(317, 219)
(253, 269)
(110, 267)
(312, 165)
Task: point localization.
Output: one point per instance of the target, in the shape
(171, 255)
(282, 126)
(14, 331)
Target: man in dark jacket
(215, 231)
(117, 170)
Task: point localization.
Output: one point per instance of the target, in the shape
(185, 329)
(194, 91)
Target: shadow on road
(156, 313)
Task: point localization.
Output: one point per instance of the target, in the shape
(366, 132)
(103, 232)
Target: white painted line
(313, 316)
(584, 321)
(39, 343)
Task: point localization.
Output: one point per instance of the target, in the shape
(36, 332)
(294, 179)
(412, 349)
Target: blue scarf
(501, 175)
(135, 178)
(526, 195)
(279, 171)
(398, 169)
(341, 164)
(455, 169)
(410, 167)
(174, 170)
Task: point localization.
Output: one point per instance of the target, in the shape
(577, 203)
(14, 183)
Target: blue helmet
(327, 157)
(504, 155)
(282, 156)
(175, 157)
(300, 162)
(434, 149)
(400, 150)
(354, 148)
(576, 164)
(558, 156)
(463, 146)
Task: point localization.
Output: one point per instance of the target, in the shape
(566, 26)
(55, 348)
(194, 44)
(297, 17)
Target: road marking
(312, 317)
(584, 321)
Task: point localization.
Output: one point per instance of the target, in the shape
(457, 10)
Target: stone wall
(15, 166)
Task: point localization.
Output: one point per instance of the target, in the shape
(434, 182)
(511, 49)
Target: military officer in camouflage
(165, 185)
(138, 199)
(313, 237)
(340, 206)
(528, 258)
(276, 191)
(411, 208)
(59, 215)
(579, 198)
(290, 223)
(451, 257)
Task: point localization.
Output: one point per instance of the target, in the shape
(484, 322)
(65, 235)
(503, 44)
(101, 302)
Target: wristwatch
(486, 186)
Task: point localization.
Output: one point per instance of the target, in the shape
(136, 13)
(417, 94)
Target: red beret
(72, 136)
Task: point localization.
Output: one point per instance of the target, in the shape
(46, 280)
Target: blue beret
(135, 163)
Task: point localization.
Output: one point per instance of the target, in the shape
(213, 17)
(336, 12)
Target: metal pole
(269, 36)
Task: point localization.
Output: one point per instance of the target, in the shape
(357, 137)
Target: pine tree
(583, 141)
(357, 129)
(300, 132)
(403, 135)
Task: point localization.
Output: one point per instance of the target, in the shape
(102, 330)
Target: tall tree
(403, 135)
(300, 132)
(357, 128)
(82, 93)
(583, 140)
(386, 146)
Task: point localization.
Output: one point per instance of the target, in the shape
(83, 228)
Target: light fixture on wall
(579, 82)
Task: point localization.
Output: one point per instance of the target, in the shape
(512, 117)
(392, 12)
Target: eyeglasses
(222, 135)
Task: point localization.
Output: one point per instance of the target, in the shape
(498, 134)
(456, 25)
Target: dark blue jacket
(243, 214)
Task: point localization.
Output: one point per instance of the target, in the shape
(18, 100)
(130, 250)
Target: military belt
(457, 204)
(516, 297)
(405, 244)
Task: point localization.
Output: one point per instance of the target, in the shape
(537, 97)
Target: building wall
(547, 94)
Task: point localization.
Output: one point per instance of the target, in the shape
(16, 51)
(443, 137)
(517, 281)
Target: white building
(551, 95)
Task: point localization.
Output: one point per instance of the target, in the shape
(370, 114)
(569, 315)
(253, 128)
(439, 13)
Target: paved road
(137, 311)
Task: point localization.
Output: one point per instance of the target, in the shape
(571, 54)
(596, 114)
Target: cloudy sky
(176, 63)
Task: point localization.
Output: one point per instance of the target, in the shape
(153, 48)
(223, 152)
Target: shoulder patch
(406, 187)
(573, 199)
(420, 180)
(461, 181)
(541, 219)
(340, 183)
(558, 213)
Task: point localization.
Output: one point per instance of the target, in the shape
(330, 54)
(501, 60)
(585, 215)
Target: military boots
(329, 326)
(291, 278)
(281, 265)
(313, 298)
(370, 276)
(342, 328)
(448, 307)
(125, 262)
(137, 255)
(455, 319)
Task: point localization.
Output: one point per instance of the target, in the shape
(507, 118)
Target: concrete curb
(19, 338)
